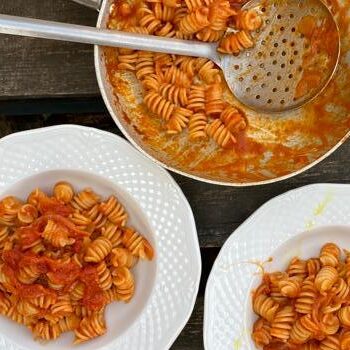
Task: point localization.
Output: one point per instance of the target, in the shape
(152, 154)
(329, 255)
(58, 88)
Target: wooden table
(45, 83)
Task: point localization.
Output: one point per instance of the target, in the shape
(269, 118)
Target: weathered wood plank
(191, 338)
(218, 210)
(41, 68)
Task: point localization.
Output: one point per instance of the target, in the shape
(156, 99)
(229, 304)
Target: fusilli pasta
(64, 257)
(177, 88)
(306, 307)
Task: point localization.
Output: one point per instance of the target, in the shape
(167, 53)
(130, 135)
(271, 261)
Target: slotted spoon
(295, 55)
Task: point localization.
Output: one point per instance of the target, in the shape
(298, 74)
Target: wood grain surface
(41, 68)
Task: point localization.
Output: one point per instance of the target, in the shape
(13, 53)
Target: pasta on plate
(185, 92)
(307, 307)
(64, 258)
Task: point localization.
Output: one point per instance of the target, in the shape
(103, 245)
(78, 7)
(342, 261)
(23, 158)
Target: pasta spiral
(46, 331)
(97, 218)
(341, 290)
(345, 340)
(329, 324)
(265, 307)
(248, 20)
(104, 276)
(330, 255)
(302, 330)
(124, 283)
(82, 221)
(113, 233)
(85, 200)
(159, 105)
(289, 288)
(28, 274)
(4, 233)
(57, 235)
(313, 265)
(114, 211)
(68, 323)
(77, 291)
(220, 134)
(137, 244)
(9, 208)
(179, 120)
(344, 316)
(44, 301)
(234, 43)
(122, 257)
(26, 214)
(197, 98)
(197, 125)
(195, 21)
(330, 343)
(90, 327)
(64, 192)
(261, 332)
(326, 278)
(233, 119)
(306, 298)
(282, 323)
(5, 304)
(297, 268)
(311, 345)
(98, 250)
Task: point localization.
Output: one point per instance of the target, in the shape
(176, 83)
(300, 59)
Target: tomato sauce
(94, 298)
(28, 235)
(49, 205)
(25, 290)
(321, 56)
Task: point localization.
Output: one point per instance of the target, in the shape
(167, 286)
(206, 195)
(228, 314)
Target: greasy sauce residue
(237, 344)
(274, 146)
(259, 264)
(321, 207)
(320, 58)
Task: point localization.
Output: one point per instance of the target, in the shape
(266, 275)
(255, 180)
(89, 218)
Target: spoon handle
(82, 34)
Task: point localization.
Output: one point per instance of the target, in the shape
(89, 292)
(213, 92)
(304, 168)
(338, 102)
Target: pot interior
(275, 146)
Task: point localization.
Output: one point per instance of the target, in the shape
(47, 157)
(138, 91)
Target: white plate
(169, 285)
(296, 223)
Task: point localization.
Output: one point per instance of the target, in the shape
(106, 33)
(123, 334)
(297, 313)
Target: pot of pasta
(179, 111)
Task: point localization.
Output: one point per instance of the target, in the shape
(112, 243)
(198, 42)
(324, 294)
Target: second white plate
(227, 314)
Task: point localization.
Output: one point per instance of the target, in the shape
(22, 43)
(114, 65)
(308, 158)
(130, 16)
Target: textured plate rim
(161, 169)
(232, 238)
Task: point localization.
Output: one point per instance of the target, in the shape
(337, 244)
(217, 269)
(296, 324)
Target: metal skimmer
(295, 54)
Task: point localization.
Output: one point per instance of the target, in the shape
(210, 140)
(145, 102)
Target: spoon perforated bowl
(295, 55)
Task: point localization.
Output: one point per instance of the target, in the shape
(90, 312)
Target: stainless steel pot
(278, 147)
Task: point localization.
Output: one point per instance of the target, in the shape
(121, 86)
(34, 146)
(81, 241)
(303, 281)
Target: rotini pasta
(175, 87)
(306, 307)
(64, 257)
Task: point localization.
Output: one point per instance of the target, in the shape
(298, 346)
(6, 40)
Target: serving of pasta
(306, 307)
(63, 258)
(186, 93)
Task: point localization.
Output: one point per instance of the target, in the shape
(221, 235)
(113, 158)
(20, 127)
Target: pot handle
(95, 4)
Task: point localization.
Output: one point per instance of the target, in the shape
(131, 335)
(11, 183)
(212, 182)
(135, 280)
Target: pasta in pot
(177, 88)
(63, 258)
(306, 307)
